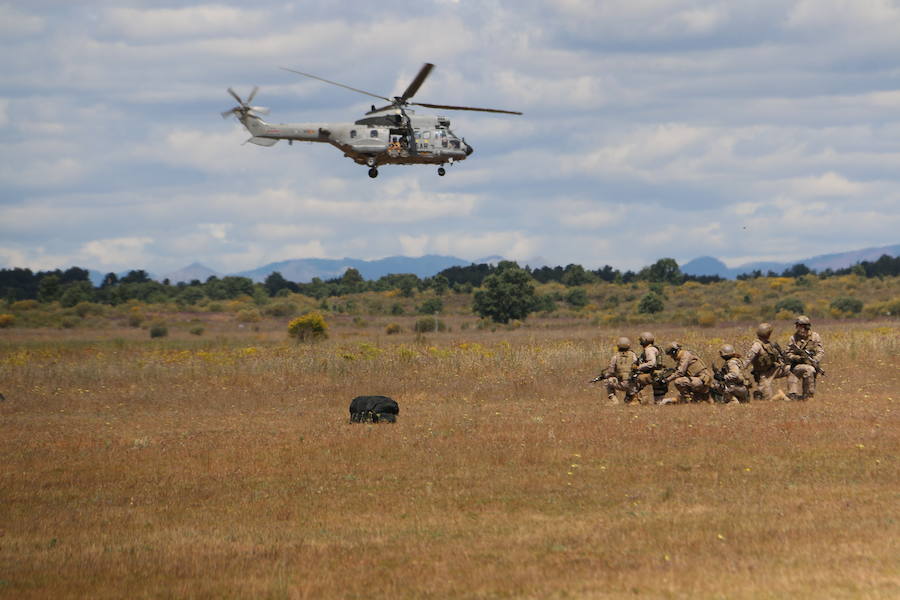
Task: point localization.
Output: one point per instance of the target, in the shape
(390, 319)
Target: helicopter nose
(469, 149)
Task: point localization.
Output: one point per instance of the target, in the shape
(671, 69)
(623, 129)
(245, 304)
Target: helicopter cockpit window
(352, 133)
(373, 133)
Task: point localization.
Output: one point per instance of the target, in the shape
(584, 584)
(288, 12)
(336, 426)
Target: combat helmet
(673, 348)
(764, 331)
(646, 338)
(802, 321)
(623, 344)
(727, 351)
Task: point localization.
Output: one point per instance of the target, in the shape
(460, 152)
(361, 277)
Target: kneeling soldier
(691, 377)
(649, 368)
(618, 375)
(804, 352)
(768, 364)
(730, 378)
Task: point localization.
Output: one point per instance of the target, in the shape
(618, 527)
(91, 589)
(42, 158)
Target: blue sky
(743, 130)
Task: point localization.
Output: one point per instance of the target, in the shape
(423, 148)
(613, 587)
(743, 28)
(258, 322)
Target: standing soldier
(618, 375)
(730, 378)
(649, 367)
(691, 377)
(767, 360)
(805, 352)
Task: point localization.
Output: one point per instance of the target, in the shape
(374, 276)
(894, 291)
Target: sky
(764, 130)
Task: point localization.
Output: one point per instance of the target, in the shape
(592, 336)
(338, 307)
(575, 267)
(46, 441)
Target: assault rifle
(808, 358)
(717, 389)
(782, 357)
(663, 375)
(600, 377)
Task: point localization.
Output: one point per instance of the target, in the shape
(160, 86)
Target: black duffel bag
(373, 409)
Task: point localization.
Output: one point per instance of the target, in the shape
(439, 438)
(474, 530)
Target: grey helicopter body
(389, 135)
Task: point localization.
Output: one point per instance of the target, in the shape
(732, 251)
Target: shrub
(397, 309)
(431, 306)
(158, 330)
(706, 318)
(68, 322)
(7, 320)
(577, 297)
(24, 305)
(651, 303)
(427, 324)
(281, 309)
(248, 316)
(197, 330)
(847, 304)
(308, 328)
(791, 305)
(88, 308)
(135, 318)
(393, 329)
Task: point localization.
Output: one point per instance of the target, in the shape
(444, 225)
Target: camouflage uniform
(691, 377)
(733, 383)
(765, 357)
(649, 366)
(617, 376)
(802, 375)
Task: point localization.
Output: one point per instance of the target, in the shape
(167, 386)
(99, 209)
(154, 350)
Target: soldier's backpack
(373, 409)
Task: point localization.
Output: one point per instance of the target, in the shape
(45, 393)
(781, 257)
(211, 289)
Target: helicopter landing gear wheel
(373, 172)
(442, 171)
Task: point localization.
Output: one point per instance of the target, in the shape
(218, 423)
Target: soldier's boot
(795, 397)
(757, 395)
(742, 395)
(612, 399)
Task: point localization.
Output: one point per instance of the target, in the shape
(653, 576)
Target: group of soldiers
(695, 381)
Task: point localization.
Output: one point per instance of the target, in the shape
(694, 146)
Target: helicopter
(388, 135)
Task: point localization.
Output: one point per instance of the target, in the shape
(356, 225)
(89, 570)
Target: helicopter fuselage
(377, 139)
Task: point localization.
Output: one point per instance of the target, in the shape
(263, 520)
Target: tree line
(73, 285)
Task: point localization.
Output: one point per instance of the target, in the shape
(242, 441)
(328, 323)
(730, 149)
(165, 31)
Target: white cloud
(15, 23)
(117, 252)
(189, 21)
(413, 245)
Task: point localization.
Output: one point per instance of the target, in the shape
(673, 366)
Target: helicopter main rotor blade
(252, 94)
(235, 96)
(375, 110)
(417, 82)
(490, 110)
(353, 89)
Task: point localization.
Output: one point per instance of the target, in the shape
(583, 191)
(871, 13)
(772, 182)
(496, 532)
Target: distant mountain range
(304, 269)
(708, 265)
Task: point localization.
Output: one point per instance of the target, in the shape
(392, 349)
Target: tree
(576, 275)
(847, 304)
(431, 306)
(507, 294)
(276, 282)
(49, 288)
(665, 270)
(793, 305)
(651, 303)
(577, 297)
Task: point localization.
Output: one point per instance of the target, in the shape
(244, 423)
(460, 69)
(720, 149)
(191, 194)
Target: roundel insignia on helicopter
(397, 135)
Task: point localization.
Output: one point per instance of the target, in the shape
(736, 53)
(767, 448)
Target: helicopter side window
(352, 133)
(454, 144)
(373, 133)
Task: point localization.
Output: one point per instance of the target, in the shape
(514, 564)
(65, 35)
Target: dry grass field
(224, 466)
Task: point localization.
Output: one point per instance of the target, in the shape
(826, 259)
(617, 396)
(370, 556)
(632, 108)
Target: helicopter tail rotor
(243, 109)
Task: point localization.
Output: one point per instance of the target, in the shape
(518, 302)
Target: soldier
(691, 377)
(804, 352)
(732, 383)
(618, 375)
(767, 361)
(649, 367)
